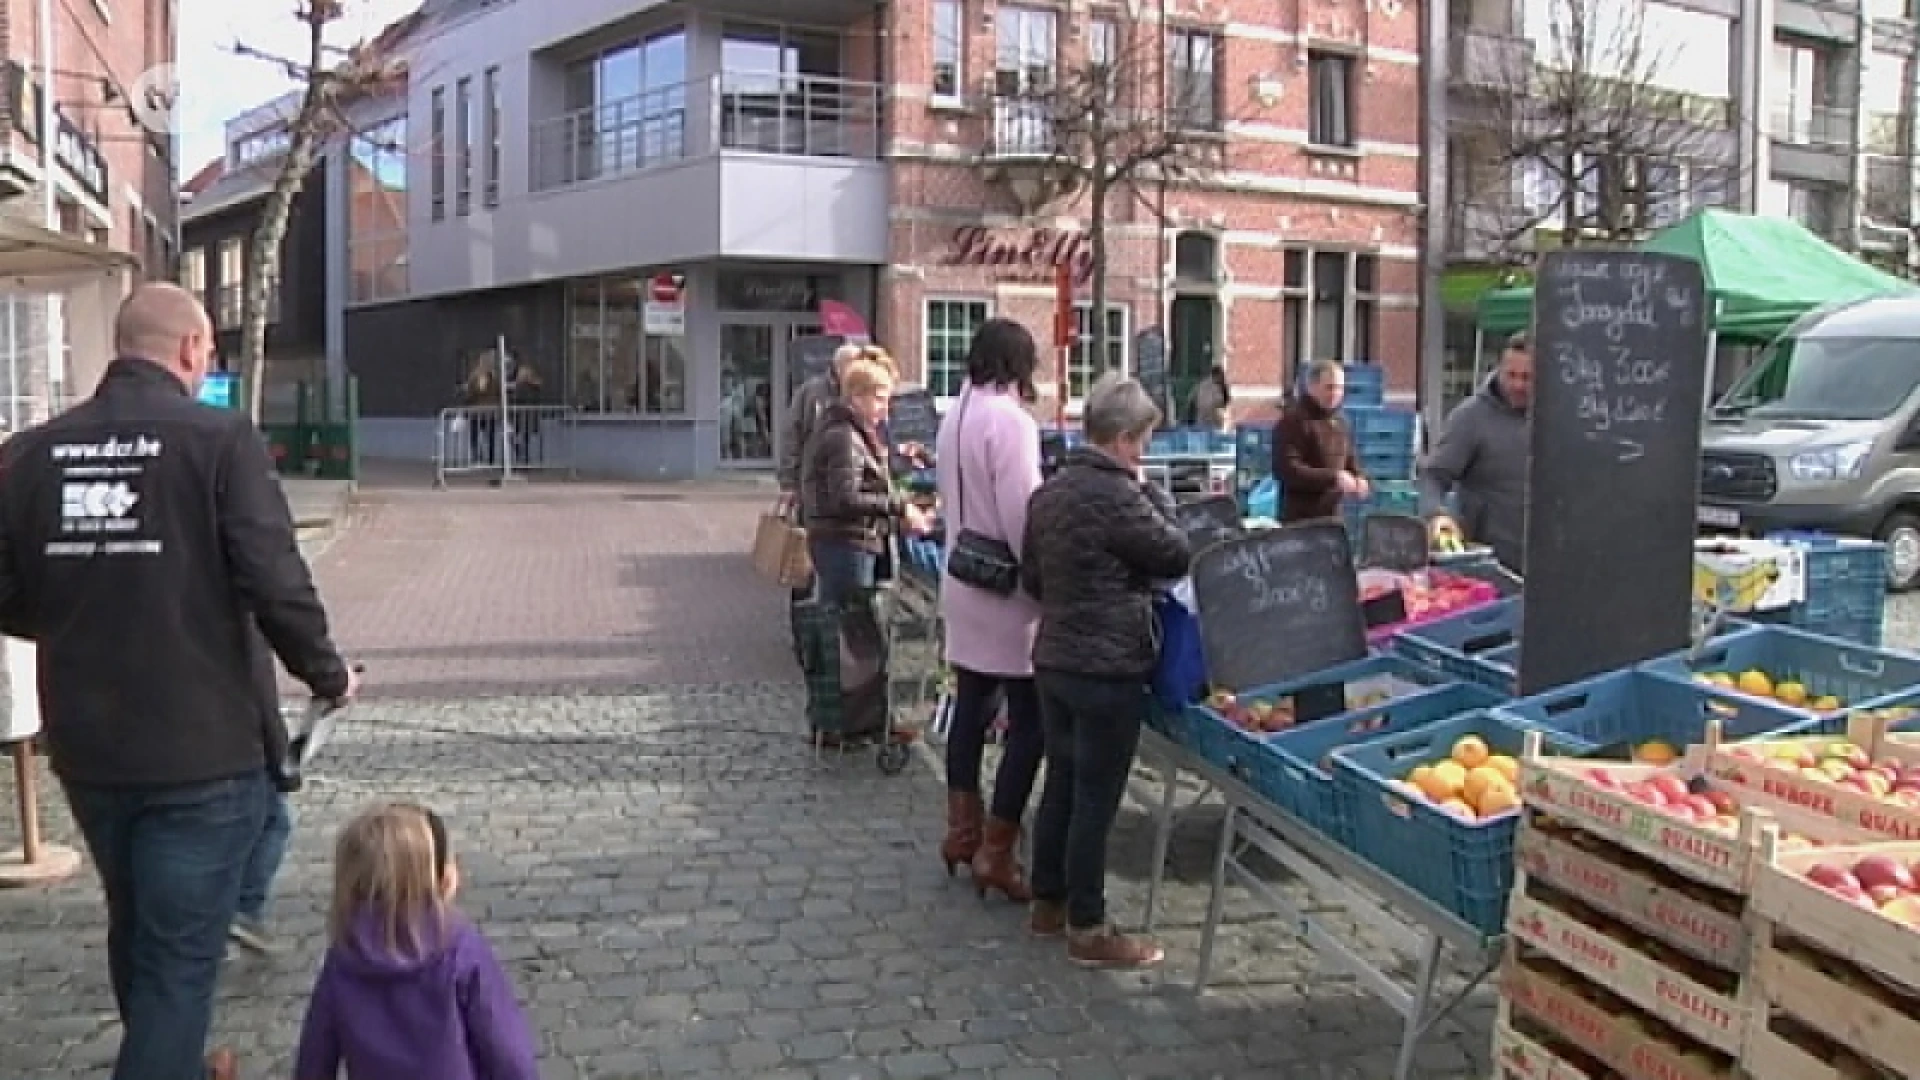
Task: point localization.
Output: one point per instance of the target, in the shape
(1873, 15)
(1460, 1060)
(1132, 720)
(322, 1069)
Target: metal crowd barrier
(473, 441)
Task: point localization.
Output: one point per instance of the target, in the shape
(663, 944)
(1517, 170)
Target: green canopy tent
(1762, 273)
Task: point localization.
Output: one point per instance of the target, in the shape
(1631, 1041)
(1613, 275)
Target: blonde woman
(408, 989)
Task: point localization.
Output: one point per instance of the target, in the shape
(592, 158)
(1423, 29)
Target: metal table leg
(1216, 902)
(1162, 838)
(1418, 1017)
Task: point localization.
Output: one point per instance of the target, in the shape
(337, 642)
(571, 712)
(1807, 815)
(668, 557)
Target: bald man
(146, 547)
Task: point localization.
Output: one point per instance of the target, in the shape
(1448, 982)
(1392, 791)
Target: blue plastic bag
(1264, 500)
(1180, 673)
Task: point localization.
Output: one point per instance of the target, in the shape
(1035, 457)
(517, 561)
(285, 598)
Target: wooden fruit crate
(1555, 998)
(1745, 768)
(1716, 1018)
(1772, 1056)
(1517, 1057)
(1841, 1002)
(1564, 788)
(1606, 877)
(1784, 898)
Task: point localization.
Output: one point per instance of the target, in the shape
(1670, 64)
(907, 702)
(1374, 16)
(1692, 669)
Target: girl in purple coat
(409, 990)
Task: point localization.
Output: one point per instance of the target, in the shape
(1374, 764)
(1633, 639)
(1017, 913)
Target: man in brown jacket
(1313, 453)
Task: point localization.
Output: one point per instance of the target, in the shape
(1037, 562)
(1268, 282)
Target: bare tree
(1588, 114)
(1113, 119)
(332, 80)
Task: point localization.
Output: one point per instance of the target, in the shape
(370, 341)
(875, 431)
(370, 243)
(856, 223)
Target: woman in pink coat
(988, 455)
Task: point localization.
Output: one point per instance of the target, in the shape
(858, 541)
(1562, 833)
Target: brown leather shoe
(1106, 947)
(965, 812)
(222, 1065)
(994, 865)
(1047, 919)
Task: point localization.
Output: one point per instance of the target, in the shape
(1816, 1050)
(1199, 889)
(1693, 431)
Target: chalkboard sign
(1619, 373)
(912, 418)
(1278, 604)
(1210, 521)
(1395, 542)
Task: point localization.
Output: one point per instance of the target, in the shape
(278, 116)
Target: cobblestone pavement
(596, 690)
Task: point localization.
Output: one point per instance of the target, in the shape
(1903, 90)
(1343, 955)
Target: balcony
(1820, 126)
(1483, 60)
(792, 116)
(1023, 127)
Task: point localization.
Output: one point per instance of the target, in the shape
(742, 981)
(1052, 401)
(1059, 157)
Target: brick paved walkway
(594, 687)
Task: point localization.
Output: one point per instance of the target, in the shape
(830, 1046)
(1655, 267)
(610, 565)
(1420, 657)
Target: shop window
(1082, 368)
(614, 367)
(950, 326)
(1332, 300)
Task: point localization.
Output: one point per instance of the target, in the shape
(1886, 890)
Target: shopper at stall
(1481, 461)
(810, 400)
(852, 511)
(1208, 405)
(1097, 537)
(989, 465)
(1313, 452)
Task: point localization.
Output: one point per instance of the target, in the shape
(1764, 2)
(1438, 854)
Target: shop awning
(1762, 274)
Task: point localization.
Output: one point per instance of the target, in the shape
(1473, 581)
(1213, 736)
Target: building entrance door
(1192, 341)
(757, 382)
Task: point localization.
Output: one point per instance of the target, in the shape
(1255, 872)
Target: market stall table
(1415, 928)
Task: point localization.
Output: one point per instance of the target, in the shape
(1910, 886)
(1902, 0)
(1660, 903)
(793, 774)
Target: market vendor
(1481, 460)
(1313, 452)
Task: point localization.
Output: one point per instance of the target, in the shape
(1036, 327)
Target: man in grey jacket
(1482, 457)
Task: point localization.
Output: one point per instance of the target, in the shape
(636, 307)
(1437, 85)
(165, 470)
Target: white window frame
(926, 339)
(233, 282)
(946, 12)
(1080, 361)
(1352, 301)
(193, 273)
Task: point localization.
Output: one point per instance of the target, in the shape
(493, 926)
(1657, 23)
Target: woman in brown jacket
(1313, 452)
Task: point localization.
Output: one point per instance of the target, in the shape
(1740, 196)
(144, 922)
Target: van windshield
(1828, 379)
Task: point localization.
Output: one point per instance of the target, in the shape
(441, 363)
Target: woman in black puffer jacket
(1097, 539)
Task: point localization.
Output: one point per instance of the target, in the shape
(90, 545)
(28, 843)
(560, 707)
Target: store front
(762, 314)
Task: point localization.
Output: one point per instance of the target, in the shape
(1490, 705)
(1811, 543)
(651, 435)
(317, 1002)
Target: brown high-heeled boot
(995, 867)
(222, 1065)
(964, 813)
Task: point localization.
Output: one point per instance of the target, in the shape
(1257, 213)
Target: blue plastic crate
(1859, 676)
(1296, 774)
(1463, 646)
(1387, 464)
(1220, 742)
(1465, 867)
(1380, 426)
(1366, 384)
(1637, 706)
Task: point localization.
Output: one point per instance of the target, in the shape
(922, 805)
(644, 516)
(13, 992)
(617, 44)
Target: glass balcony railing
(1813, 125)
(797, 115)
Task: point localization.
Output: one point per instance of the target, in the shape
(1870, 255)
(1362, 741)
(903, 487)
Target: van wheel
(1901, 533)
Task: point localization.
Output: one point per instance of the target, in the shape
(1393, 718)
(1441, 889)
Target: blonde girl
(409, 989)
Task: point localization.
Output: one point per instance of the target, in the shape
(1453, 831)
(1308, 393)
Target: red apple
(1855, 757)
(1670, 785)
(1885, 894)
(1724, 802)
(1829, 876)
(1602, 778)
(1703, 807)
(1904, 909)
(1881, 870)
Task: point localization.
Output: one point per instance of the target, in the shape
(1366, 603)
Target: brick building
(114, 180)
(1293, 237)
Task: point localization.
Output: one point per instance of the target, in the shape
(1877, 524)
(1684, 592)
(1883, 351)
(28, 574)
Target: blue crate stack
(1846, 588)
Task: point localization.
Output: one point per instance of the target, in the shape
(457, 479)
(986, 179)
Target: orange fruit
(1460, 809)
(1506, 766)
(1448, 778)
(1435, 786)
(1478, 781)
(1471, 751)
(1497, 799)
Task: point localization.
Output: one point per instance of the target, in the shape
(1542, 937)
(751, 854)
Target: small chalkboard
(912, 418)
(1210, 521)
(1620, 343)
(1278, 604)
(1395, 542)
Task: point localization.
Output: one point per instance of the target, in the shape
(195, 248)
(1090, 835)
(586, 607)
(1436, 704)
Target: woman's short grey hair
(1118, 407)
(1320, 369)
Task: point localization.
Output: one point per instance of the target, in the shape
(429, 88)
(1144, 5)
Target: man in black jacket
(143, 538)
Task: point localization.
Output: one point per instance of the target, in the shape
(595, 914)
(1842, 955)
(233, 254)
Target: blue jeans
(256, 886)
(842, 572)
(1092, 730)
(170, 861)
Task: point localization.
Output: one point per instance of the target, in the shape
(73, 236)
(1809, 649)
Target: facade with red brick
(1290, 237)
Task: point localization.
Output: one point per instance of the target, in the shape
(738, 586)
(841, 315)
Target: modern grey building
(648, 201)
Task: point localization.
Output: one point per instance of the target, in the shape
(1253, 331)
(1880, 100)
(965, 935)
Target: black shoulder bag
(977, 559)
